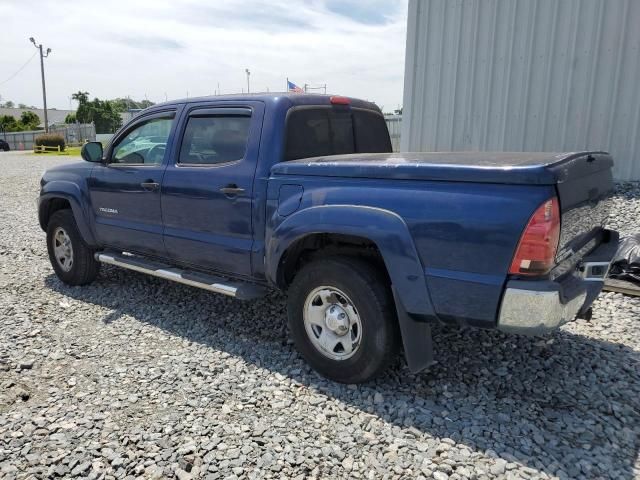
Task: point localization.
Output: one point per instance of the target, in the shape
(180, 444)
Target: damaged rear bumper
(535, 307)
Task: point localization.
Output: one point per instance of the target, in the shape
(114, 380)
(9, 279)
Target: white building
(523, 75)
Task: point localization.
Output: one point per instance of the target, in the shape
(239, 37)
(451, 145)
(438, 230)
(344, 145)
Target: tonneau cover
(484, 167)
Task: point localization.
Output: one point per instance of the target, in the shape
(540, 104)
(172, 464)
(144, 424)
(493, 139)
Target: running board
(241, 291)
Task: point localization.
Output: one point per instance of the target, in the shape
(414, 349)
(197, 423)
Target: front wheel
(71, 258)
(342, 319)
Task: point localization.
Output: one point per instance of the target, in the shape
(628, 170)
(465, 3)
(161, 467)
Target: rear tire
(342, 319)
(71, 258)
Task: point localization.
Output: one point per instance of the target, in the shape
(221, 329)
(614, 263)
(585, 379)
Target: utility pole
(44, 88)
(248, 74)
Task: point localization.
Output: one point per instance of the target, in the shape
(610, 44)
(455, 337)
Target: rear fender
(390, 234)
(385, 229)
(80, 206)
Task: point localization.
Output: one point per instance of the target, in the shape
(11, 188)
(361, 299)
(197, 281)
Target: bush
(51, 140)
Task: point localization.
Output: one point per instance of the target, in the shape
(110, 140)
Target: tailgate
(585, 183)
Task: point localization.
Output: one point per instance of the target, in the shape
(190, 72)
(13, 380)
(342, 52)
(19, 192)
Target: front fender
(385, 229)
(77, 198)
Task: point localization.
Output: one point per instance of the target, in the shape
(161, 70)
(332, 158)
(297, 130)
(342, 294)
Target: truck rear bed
(477, 167)
(583, 180)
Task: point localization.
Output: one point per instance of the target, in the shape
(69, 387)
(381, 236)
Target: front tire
(342, 319)
(71, 258)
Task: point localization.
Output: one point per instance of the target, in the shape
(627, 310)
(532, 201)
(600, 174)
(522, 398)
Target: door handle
(150, 185)
(231, 190)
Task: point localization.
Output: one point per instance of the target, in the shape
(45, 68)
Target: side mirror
(92, 152)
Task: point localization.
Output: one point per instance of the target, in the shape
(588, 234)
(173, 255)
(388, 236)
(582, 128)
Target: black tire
(83, 268)
(366, 287)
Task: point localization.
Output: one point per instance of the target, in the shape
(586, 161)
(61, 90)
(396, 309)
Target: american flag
(292, 87)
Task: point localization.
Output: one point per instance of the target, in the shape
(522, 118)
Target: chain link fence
(74, 133)
(394, 123)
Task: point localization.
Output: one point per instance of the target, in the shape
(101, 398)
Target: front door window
(145, 144)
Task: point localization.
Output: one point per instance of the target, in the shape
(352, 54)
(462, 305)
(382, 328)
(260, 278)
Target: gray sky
(115, 48)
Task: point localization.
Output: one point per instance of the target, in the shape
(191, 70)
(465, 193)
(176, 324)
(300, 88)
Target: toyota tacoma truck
(241, 194)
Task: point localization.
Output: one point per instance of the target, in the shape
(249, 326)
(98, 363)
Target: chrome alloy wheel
(62, 249)
(332, 323)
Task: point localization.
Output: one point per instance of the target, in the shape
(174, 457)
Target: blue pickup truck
(240, 194)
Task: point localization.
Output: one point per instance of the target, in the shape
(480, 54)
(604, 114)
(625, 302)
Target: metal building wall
(523, 75)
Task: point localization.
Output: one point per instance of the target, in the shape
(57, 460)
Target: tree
(125, 104)
(8, 123)
(70, 118)
(9, 104)
(101, 112)
(29, 120)
(121, 104)
(80, 96)
(105, 114)
(84, 113)
(105, 117)
(22, 105)
(26, 122)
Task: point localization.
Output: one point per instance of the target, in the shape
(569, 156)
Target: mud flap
(416, 338)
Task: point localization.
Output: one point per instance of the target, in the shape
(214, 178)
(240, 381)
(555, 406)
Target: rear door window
(214, 139)
(322, 131)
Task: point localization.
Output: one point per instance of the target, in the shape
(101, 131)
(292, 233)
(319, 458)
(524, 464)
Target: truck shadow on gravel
(566, 405)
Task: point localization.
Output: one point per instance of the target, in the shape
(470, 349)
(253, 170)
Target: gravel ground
(135, 377)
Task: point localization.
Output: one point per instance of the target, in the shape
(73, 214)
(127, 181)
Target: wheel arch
(379, 233)
(66, 196)
(310, 246)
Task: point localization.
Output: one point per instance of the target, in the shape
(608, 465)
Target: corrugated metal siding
(524, 75)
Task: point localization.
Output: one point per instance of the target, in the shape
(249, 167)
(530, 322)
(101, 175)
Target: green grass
(72, 151)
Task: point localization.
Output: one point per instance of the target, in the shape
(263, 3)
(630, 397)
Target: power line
(20, 69)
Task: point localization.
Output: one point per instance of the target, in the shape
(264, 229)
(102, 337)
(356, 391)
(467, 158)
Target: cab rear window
(322, 131)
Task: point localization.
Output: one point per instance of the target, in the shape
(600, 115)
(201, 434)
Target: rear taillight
(536, 250)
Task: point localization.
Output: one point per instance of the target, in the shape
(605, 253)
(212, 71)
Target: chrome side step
(241, 291)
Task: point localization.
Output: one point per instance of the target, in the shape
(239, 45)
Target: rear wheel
(71, 258)
(342, 319)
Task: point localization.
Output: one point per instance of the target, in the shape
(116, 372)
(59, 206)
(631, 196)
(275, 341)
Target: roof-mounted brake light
(337, 100)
